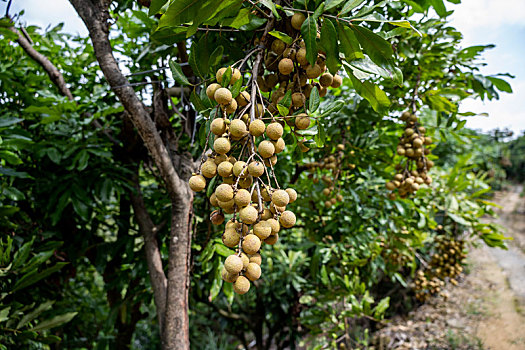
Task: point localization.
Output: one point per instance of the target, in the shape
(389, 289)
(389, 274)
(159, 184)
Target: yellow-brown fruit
(278, 46)
(213, 200)
(266, 149)
(308, 90)
(390, 186)
(274, 131)
(242, 198)
(339, 198)
(209, 169)
(238, 128)
(298, 99)
(274, 224)
(267, 214)
(279, 145)
(222, 145)
(270, 161)
(285, 66)
(216, 217)
(197, 183)
(253, 271)
(280, 198)
(312, 72)
(287, 219)
(248, 215)
(228, 277)
(246, 182)
(405, 115)
(262, 229)
(227, 206)
(210, 90)
(259, 110)
(302, 121)
(223, 96)
(297, 20)
(256, 258)
(303, 147)
(275, 209)
(225, 169)
(233, 264)
(333, 200)
(231, 107)
(328, 204)
(300, 57)
(220, 73)
(272, 239)
(245, 261)
(224, 192)
(271, 80)
(256, 168)
(257, 127)
(236, 75)
(326, 79)
(220, 158)
(292, 194)
(290, 53)
(337, 82)
(323, 91)
(241, 285)
(218, 126)
(265, 194)
(230, 237)
(251, 244)
(243, 99)
(240, 167)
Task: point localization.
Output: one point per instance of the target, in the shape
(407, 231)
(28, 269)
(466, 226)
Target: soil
(487, 309)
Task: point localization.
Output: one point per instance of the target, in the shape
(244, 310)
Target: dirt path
(487, 310)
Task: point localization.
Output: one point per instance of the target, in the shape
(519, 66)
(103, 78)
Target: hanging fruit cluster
(333, 164)
(247, 137)
(412, 171)
(446, 264)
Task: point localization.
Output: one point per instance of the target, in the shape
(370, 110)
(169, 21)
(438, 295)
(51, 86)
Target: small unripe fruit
(337, 82)
(225, 169)
(197, 183)
(266, 149)
(274, 131)
(224, 192)
(251, 244)
(287, 219)
(257, 127)
(243, 99)
(280, 198)
(223, 96)
(279, 145)
(241, 285)
(256, 168)
(253, 272)
(238, 128)
(297, 20)
(278, 46)
(292, 194)
(272, 239)
(209, 169)
(262, 229)
(326, 79)
(233, 264)
(312, 72)
(210, 90)
(218, 126)
(248, 215)
(298, 99)
(222, 145)
(286, 66)
(302, 121)
(230, 237)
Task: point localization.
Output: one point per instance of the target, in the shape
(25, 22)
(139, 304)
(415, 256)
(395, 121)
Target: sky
(498, 22)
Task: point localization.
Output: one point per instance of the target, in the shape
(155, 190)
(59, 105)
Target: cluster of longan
(412, 172)
(333, 163)
(446, 263)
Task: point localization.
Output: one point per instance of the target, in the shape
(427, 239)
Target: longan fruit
(271, 80)
(228, 277)
(286, 66)
(271, 161)
(262, 229)
(323, 91)
(274, 131)
(242, 198)
(224, 192)
(279, 145)
(257, 127)
(238, 128)
(302, 121)
(231, 107)
(213, 200)
(222, 145)
(267, 214)
(266, 149)
(278, 46)
(287, 219)
(223, 96)
(280, 198)
(337, 82)
(272, 239)
(210, 90)
(259, 110)
(274, 224)
(248, 215)
(245, 261)
(220, 73)
(312, 72)
(246, 182)
(251, 243)
(241, 285)
(236, 75)
(230, 237)
(390, 186)
(255, 168)
(256, 258)
(292, 194)
(253, 271)
(218, 126)
(326, 80)
(243, 98)
(233, 264)
(265, 195)
(290, 53)
(238, 167)
(298, 99)
(209, 169)
(225, 169)
(300, 57)
(197, 183)
(297, 20)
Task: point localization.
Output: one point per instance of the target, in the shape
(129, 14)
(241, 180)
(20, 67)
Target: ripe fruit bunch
(333, 164)
(412, 172)
(445, 264)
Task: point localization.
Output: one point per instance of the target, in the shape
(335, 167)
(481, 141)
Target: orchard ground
(487, 309)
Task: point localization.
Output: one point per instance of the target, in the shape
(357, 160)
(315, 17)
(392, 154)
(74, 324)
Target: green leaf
(22, 254)
(320, 137)
(309, 33)
(54, 322)
(197, 102)
(286, 101)
(371, 92)
(216, 56)
(35, 313)
(378, 49)
(329, 43)
(314, 100)
(269, 4)
(4, 314)
(333, 107)
(349, 44)
(350, 5)
(281, 36)
(330, 4)
(439, 6)
(501, 84)
(199, 58)
(226, 77)
(155, 6)
(177, 73)
(8, 121)
(284, 111)
(236, 88)
(242, 18)
(35, 276)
